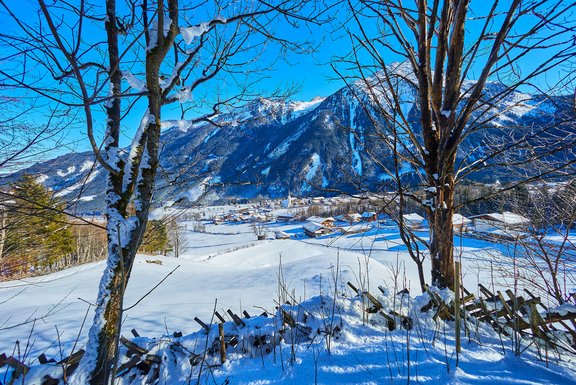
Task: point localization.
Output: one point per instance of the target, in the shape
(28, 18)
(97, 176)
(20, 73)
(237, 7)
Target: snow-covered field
(227, 268)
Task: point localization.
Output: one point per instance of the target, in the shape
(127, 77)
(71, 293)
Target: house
(460, 224)
(244, 211)
(326, 222)
(340, 218)
(506, 235)
(314, 230)
(413, 221)
(354, 229)
(504, 221)
(369, 216)
(284, 218)
(353, 217)
(281, 235)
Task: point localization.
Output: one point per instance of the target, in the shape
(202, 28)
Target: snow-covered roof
(506, 217)
(313, 226)
(412, 217)
(508, 234)
(317, 219)
(354, 215)
(458, 219)
(357, 228)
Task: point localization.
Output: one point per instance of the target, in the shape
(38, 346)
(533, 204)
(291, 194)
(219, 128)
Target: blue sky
(309, 72)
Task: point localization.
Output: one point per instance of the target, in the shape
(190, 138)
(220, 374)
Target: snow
(356, 159)
(460, 219)
(42, 178)
(189, 33)
(226, 263)
(147, 119)
(311, 171)
(312, 226)
(153, 32)
(197, 191)
(564, 309)
(413, 217)
(182, 124)
(68, 171)
(75, 186)
(285, 145)
(87, 198)
(211, 134)
(507, 217)
(299, 108)
(560, 239)
(184, 94)
(133, 81)
(314, 166)
(87, 165)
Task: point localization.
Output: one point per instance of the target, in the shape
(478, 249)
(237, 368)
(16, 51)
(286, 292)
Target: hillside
(226, 268)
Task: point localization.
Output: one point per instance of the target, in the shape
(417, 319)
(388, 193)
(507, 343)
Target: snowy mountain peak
(269, 146)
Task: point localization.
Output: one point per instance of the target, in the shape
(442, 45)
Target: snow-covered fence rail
(176, 358)
(145, 360)
(513, 316)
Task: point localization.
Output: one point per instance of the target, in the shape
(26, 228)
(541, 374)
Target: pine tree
(37, 234)
(155, 240)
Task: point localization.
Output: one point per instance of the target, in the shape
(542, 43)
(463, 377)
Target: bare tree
(258, 227)
(164, 58)
(438, 48)
(548, 255)
(177, 236)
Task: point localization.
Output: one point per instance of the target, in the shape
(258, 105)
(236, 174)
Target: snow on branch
(136, 145)
(133, 81)
(189, 33)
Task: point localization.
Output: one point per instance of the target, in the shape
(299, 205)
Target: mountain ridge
(272, 147)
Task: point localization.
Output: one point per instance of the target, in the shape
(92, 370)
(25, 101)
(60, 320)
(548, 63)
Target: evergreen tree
(155, 240)
(37, 234)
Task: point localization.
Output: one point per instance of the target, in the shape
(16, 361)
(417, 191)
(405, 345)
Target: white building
(413, 220)
(504, 221)
(460, 223)
(313, 229)
(327, 222)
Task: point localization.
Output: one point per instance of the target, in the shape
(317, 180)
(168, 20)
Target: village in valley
(506, 225)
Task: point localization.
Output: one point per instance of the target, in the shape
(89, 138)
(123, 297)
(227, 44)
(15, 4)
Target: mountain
(274, 147)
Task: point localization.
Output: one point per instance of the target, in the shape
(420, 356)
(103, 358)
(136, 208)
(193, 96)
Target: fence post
(457, 308)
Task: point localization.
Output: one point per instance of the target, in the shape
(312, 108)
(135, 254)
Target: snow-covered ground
(227, 268)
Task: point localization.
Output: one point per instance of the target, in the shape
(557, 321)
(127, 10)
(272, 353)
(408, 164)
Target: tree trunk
(125, 232)
(420, 266)
(3, 223)
(442, 234)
